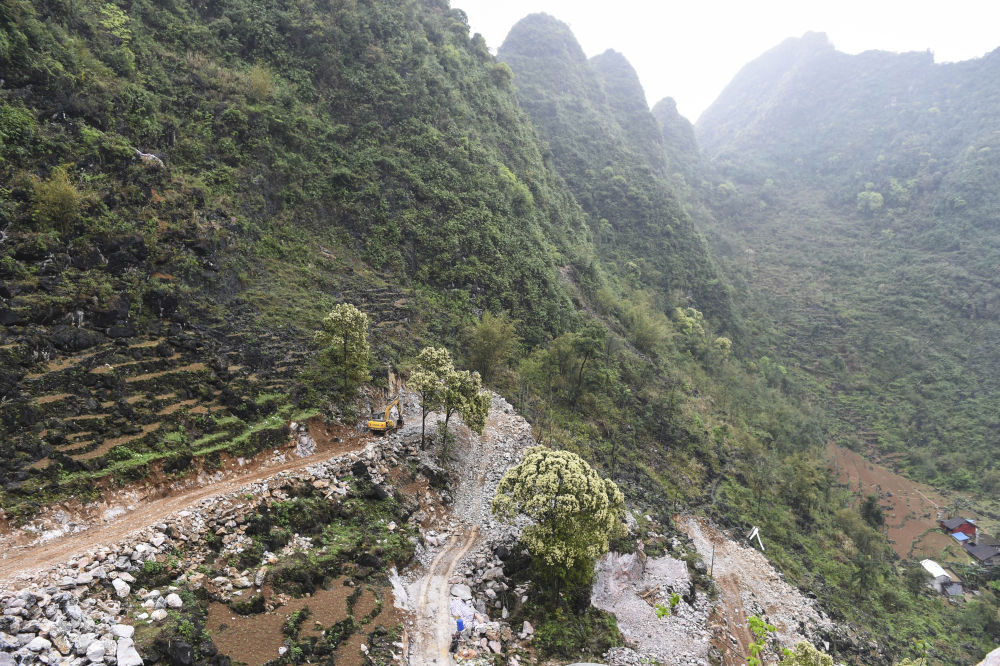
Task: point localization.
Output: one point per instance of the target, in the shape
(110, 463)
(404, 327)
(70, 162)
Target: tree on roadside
(343, 339)
(574, 512)
(429, 379)
(463, 394)
(443, 387)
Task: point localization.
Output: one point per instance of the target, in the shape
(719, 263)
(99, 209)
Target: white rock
(123, 630)
(158, 615)
(174, 601)
(37, 644)
(527, 629)
(95, 651)
(462, 591)
(127, 654)
(83, 642)
(121, 587)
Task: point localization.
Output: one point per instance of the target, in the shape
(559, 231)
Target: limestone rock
(127, 655)
(37, 644)
(123, 630)
(121, 588)
(462, 591)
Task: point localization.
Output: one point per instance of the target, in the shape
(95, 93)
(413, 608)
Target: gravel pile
(632, 593)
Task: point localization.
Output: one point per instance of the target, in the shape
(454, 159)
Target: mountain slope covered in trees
(768, 427)
(860, 216)
(296, 156)
(608, 147)
(186, 189)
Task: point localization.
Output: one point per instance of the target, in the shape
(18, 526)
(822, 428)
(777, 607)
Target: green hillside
(303, 156)
(862, 224)
(188, 188)
(605, 142)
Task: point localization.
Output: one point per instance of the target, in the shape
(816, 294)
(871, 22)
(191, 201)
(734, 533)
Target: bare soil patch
(51, 398)
(748, 585)
(910, 508)
(191, 367)
(255, 639)
(109, 444)
(170, 409)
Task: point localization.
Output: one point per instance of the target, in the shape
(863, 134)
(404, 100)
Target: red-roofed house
(963, 525)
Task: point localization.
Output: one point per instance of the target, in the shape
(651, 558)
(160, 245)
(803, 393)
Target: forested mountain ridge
(859, 212)
(607, 146)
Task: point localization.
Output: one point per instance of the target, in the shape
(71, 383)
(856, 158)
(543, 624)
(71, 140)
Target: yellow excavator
(387, 424)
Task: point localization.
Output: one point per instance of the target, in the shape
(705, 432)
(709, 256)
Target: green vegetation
(445, 389)
(491, 344)
(761, 631)
(608, 147)
(862, 235)
(286, 179)
(863, 244)
(574, 512)
(805, 654)
(344, 348)
(532, 213)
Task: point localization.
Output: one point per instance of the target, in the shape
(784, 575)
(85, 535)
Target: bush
(569, 635)
(251, 606)
(57, 200)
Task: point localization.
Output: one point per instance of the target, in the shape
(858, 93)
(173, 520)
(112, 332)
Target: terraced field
(125, 404)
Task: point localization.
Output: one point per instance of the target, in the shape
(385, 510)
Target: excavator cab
(386, 424)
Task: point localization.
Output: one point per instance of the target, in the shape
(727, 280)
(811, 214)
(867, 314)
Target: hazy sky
(691, 49)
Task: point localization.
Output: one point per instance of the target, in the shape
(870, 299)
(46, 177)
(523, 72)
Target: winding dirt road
(478, 462)
(432, 640)
(22, 560)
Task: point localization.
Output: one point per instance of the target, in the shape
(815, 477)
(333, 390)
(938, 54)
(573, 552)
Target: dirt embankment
(749, 585)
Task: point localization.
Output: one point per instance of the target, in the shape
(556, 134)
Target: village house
(961, 525)
(984, 554)
(978, 544)
(941, 580)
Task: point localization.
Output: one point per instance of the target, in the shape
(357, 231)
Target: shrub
(260, 82)
(57, 201)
